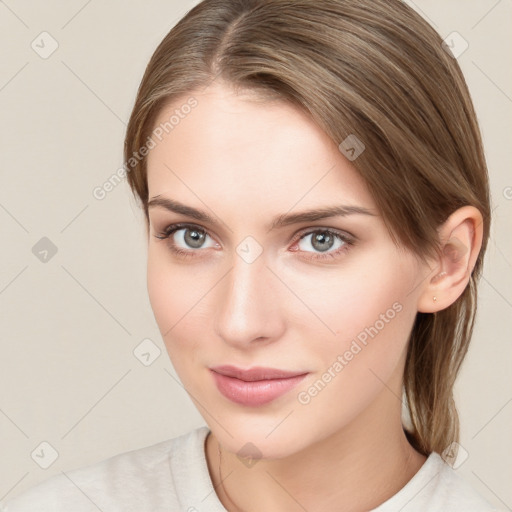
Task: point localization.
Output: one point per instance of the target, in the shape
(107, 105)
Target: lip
(254, 386)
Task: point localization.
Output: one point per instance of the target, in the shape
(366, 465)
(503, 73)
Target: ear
(461, 240)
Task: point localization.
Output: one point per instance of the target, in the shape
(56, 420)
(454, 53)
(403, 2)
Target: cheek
(371, 313)
(345, 302)
(366, 312)
(177, 294)
(162, 285)
(171, 293)
(174, 289)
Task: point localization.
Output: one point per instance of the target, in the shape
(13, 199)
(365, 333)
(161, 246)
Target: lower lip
(258, 392)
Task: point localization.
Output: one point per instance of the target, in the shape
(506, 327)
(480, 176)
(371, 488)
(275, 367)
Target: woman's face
(328, 300)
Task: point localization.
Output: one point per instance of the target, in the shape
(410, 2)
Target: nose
(250, 310)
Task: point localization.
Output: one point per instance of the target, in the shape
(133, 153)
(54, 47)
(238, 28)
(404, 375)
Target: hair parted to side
(375, 69)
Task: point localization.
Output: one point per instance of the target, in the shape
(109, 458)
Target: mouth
(255, 386)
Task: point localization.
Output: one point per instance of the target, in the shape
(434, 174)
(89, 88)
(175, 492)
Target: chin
(260, 437)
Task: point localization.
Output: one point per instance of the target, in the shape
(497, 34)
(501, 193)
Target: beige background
(69, 326)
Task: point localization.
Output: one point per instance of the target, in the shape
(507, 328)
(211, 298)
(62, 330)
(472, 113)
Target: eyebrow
(279, 221)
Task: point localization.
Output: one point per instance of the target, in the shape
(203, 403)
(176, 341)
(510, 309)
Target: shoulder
(437, 487)
(139, 479)
(455, 492)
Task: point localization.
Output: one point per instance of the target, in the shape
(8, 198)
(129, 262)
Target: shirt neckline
(197, 490)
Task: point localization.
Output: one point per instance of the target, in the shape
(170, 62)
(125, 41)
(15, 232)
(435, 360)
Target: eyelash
(172, 228)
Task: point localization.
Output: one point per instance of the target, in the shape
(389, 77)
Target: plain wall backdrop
(73, 297)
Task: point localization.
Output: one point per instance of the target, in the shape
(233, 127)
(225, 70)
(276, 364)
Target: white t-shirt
(172, 476)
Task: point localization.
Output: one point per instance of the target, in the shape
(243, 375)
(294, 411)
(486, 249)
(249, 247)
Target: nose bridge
(248, 305)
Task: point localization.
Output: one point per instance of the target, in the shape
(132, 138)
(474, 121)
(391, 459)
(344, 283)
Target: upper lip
(255, 373)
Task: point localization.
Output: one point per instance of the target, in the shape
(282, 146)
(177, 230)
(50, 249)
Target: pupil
(194, 238)
(324, 240)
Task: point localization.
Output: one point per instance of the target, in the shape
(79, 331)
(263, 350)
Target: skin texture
(243, 162)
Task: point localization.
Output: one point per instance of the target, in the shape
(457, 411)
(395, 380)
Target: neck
(360, 466)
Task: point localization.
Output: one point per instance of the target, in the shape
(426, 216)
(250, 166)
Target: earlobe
(461, 240)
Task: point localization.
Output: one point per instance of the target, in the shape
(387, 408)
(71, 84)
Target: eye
(326, 243)
(185, 239)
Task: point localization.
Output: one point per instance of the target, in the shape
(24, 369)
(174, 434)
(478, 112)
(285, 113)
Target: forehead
(251, 148)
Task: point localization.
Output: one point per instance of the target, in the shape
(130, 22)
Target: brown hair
(374, 69)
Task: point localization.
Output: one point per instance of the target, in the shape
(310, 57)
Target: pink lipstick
(254, 386)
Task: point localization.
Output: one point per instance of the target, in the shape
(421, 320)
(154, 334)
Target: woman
(317, 211)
